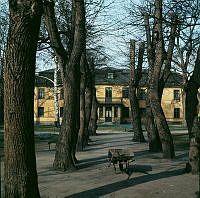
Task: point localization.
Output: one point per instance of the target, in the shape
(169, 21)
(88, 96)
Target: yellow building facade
(112, 96)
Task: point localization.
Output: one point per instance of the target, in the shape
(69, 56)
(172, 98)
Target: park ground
(152, 176)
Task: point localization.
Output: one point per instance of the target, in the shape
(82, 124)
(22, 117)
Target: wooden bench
(121, 157)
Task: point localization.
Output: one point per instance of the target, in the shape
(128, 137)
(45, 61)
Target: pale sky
(116, 45)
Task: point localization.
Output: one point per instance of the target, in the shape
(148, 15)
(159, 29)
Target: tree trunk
(192, 118)
(163, 129)
(191, 107)
(161, 123)
(56, 105)
(191, 95)
(1, 91)
(136, 118)
(70, 71)
(154, 139)
(81, 135)
(152, 132)
(1, 101)
(194, 153)
(135, 76)
(93, 118)
(19, 72)
(64, 147)
(88, 105)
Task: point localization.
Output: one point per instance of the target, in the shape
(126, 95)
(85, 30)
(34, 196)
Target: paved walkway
(152, 176)
(95, 179)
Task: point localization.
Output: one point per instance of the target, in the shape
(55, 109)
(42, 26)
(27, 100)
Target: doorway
(108, 116)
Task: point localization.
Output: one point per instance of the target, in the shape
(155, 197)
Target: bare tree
(186, 44)
(3, 35)
(82, 138)
(92, 125)
(70, 72)
(93, 118)
(135, 76)
(156, 57)
(19, 72)
(192, 117)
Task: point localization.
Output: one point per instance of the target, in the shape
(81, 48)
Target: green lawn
(181, 140)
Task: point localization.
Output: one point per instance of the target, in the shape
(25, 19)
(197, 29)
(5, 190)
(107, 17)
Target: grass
(181, 140)
(45, 128)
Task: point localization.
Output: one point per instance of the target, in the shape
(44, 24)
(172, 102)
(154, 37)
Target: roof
(120, 77)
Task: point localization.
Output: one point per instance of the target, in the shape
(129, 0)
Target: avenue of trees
(67, 32)
(171, 44)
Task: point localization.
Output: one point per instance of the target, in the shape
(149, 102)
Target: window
(125, 112)
(176, 94)
(116, 111)
(40, 112)
(110, 75)
(61, 112)
(176, 112)
(141, 94)
(61, 94)
(101, 112)
(108, 92)
(41, 93)
(125, 92)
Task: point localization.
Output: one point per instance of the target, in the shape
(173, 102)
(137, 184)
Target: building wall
(168, 103)
(48, 103)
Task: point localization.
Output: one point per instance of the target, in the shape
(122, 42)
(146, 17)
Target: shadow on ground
(110, 188)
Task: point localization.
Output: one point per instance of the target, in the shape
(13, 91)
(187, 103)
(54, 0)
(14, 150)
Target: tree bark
(192, 118)
(1, 97)
(161, 123)
(56, 105)
(154, 139)
(19, 72)
(135, 76)
(93, 118)
(70, 72)
(88, 99)
(152, 132)
(191, 95)
(81, 135)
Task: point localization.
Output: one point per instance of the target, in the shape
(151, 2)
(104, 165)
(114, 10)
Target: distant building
(112, 95)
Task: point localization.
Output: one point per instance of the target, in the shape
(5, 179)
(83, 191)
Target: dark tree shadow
(110, 188)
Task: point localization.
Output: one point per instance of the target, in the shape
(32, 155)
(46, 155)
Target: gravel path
(152, 176)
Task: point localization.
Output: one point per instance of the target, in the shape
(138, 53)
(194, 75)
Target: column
(104, 112)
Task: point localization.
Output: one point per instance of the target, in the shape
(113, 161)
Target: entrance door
(108, 117)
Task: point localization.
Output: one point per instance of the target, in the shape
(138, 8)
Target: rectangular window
(40, 112)
(141, 94)
(176, 94)
(108, 92)
(176, 112)
(41, 93)
(101, 112)
(116, 111)
(125, 112)
(61, 112)
(61, 94)
(125, 92)
(110, 75)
